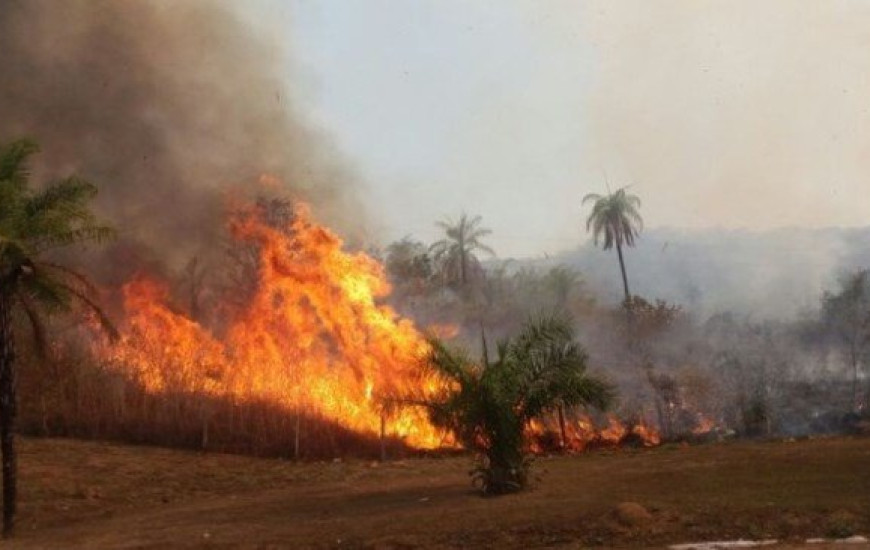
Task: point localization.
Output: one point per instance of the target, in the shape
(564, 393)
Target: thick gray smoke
(165, 106)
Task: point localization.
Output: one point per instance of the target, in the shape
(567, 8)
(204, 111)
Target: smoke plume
(165, 106)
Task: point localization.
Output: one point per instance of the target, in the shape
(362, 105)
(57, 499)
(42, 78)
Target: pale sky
(720, 114)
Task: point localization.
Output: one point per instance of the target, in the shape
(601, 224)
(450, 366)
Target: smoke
(732, 114)
(166, 106)
(730, 117)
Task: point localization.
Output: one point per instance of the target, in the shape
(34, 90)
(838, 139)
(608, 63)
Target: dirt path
(164, 499)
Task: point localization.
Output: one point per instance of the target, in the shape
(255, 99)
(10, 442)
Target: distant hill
(768, 274)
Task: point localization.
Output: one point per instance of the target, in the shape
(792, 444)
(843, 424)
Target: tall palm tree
(488, 403)
(456, 251)
(615, 217)
(33, 223)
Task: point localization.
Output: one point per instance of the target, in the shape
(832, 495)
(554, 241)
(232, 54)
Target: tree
(615, 217)
(562, 282)
(32, 224)
(652, 319)
(456, 253)
(408, 262)
(488, 404)
(846, 314)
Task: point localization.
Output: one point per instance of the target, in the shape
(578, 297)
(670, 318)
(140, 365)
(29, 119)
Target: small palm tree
(33, 223)
(488, 404)
(615, 217)
(456, 252)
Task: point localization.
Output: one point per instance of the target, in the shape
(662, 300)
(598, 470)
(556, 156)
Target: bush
(488, 404)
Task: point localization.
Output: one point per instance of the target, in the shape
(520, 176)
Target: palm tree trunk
(622, 268)
(856, 400)
(463, 262)
(7, 413)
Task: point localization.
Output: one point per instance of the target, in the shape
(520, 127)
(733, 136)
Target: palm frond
(97, 234)
(482, 247)
(69, 196)
(36, 324)
(79, 278)
(103, 319)
(591, 197)
(13, 162)
(45, 290)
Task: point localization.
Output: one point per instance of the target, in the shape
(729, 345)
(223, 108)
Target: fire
(313, 337)
(444, 331)
(581, 433)
(704, 426)
(314, 340)
(614, 432)
(648, 436)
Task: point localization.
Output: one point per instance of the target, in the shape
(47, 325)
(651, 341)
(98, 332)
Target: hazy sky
(733, 114)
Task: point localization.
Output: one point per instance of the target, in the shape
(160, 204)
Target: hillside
(777, 273)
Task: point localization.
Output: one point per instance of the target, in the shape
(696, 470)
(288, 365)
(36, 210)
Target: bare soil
(79, 494)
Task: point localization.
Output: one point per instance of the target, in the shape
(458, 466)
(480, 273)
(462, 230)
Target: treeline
(723, 375)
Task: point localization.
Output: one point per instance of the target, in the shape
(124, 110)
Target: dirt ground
(78, 494)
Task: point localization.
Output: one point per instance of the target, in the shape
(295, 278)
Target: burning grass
(311, 339)
(310, 365)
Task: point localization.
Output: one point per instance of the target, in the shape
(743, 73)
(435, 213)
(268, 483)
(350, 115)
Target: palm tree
(33, 223)
(456, 252)
(615, 216)
(487, 404)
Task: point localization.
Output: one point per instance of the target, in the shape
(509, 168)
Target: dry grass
(93, 495)
(75, 396)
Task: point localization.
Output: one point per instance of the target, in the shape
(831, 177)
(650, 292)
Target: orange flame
(648, 436)
(614, 432)
(312, 338)
(582, 433)
(704, 426)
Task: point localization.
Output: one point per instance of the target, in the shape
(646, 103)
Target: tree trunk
(383, 438)
(204, 441)
(624, 276)
(856, 399)
(463, 262)
(562, 427)
(7, 413)
(296, 448)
